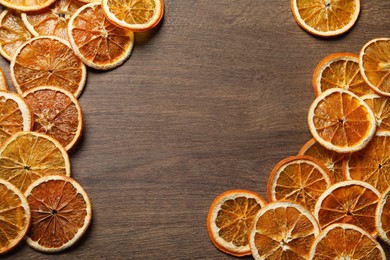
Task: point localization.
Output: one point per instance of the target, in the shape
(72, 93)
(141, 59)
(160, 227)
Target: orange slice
(230, 218)
(31, 156)
(352, 202)
(26, 5)
(3, 81)
(340, 70)
(382, 217)
(13, 33)
(326, 18)
(374, 64)
(53, 20)
(15, 115)
(341, 121)
(372, 164)
(137, 16)
(344, 241)
(47, 61)
(283, 230)
(14, 216)
(89, 1)
(57, 113)
(380, 105)
(99, 43)
(60, 213)
(331, 159)
(301, 179)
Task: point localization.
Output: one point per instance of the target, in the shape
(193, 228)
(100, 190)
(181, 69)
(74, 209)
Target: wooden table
(209, 101)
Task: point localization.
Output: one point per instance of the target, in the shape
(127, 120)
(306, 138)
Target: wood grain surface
(209, 101)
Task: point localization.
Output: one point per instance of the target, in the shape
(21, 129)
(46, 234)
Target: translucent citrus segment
(351, 202)
(136, 16)
(13, 33)
(380, 105)
(26, 5)
(47, 61)
(283, 230)
(52, 20)
(301, 179)
(372, 164)
(340, 70)
(344, 241)
(382, 217)
(14, 216)
(230, 218)
(15, 115)
(57, 113)
(3, 81)
(99, 43)
(332, 160)
(326, 18)
(341, 121)
(60, 213)
(28, 156)
(374, 64)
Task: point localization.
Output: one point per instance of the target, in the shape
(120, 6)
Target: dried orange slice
(374, 64)
(136, 16)
(26, 5)
(89, 1)
(331, 159)
(301, 179)
(345, 241)
(53, 20)
(340, 70)
(3, 81)
(60, 213)
(14, 216)
(341, 121)
(13, 33)
(283, 230)
(230, 218)
(31, 155)
(47, 61)
(372, 164)
(326, 18)
(382, 216)
(99, 43)
(57, 113)
(380, 105)
(352, 202)
(15, 115)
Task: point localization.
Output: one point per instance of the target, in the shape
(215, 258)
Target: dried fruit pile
(332, 200)
(50, 44)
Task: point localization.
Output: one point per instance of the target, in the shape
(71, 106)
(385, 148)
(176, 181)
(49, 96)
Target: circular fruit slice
(382, 217)
(26, 5)
(372, 164)
(341, 121)
(326, 18)
(283, 230)
(15, 115)
(375, 65)
(57, 113)
(14, 216)
(344, 241)
(230, 218)
(13, 33)
(60, 213)
(53, 20)
(301, 179)
(352, 202)
(47, 61)
(380, 105)
(3, 81)
(340, 70)
(136, 16)
(331, 159)
(99, 43)
(32, 155)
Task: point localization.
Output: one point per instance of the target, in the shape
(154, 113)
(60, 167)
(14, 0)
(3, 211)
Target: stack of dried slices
(49, 43)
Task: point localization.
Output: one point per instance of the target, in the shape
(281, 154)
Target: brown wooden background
(209, 101)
